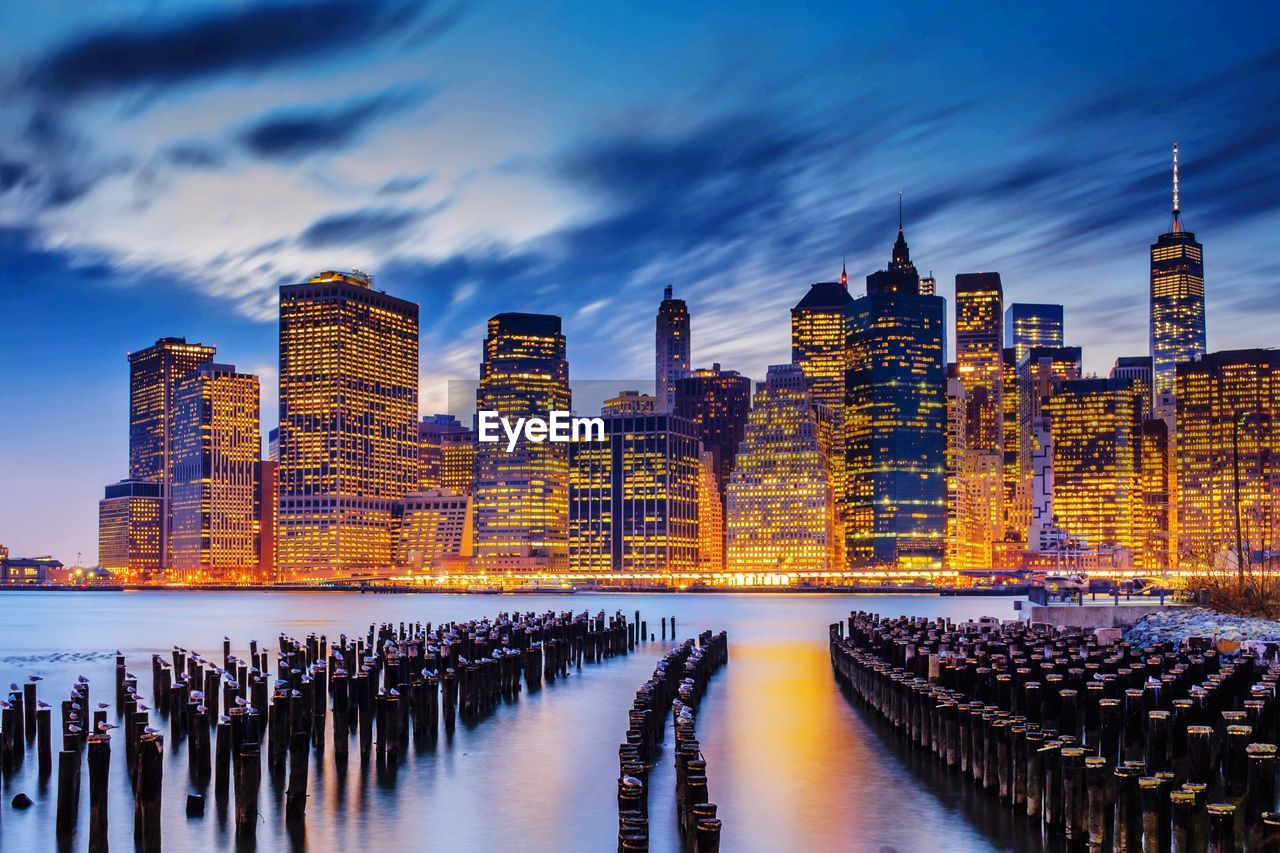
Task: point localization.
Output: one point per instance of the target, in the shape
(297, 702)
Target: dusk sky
(164, 167)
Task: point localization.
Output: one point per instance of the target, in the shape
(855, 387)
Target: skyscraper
(1041, 371)
(435, 531)
(1138, 369)
(1028, 325)
(1228, 457)
(979, 356)
(1096, 433)
(217, 445)
(437, 436)
(129, 523)
(348, 423)
(782, 494)
(522, 495)
(154, 373)
(1177, 298)
(672, 349)
(710, 515)
(633, 498)
(895, 420)
(717, 402)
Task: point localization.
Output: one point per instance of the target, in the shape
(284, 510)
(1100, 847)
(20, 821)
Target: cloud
(252, 37)
(383, 226)
(294, 134)
(194, 155)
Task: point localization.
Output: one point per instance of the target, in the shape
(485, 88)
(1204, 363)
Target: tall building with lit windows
(1177, 298)
(895, 420)
(1013, 524)
(820, 348)
(129, 523)
(1138, 369)
(1028, 325)
(1096, 433)
(522, 495)
(633, 498)
(710, 515)
(434, 535)
(217, 446)
(348, 424)
(781, 506)
(446, 454)
(979, 356)
(1157, 525)
(672, 349)
(1228, 433)
(717, 402)
(154, 374)
(1041, 370)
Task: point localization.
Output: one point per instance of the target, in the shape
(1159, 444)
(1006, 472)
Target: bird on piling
(13, 686)
(73, 729)
(40, 703)
(82, 679)
(34, 678)
(150, 731)
(240, 701)
(102, 706)
(105, 727)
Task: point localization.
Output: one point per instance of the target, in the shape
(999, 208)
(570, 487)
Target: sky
(166, 166)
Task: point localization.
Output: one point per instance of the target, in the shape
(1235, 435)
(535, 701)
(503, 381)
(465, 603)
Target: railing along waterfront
(1112, 747)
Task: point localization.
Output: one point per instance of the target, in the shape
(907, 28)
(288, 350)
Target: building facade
(522, 495)
(980, 355)
(717, 402)
(633, 498)
(130, 517)
(781, 504)
(672, 349)
(895, 420)
(435, 531)
(1228, 458)
(445, 453)
(348, 424)
(1028, 325)
(217, 448)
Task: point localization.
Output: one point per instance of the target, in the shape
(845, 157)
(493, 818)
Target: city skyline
(78, 281)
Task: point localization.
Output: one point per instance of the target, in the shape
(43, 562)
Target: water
(791, 764)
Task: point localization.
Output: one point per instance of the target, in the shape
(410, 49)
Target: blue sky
(165, 166)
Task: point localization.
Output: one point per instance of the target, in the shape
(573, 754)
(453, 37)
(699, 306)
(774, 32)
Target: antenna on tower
(1177, 219)
(666, 292)
(844, 274)
(900, 211)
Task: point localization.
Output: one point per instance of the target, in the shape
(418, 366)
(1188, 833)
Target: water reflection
(793, 764)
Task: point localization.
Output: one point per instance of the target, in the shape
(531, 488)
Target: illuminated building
(928, 285)
(1156, 545)
(979, 356)
(267, 510)
(1136, 368)
(710, 515)
(4, 552)
(348, 424)
(962, 552)
(633, 498)
(672, 349)
(522, 495)
(1228, 434)
(1096, 433)
(1039, 372)
(217, 445)
(717, 402)
(895, 420)
(435, 531)
(1028, 325)
(129, 524)
(273, 444)
(781, 514)
(440, 436)
(1177, 298)
(820, 348)
(154, 374)
(1014, 488)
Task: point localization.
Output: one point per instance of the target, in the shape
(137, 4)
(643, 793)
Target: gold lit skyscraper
(522, 495)
(672, 349)
(348, 423)
(781, 503)
(1096, 433)
(1228, 434)
(979, 356)
(129, 529)
(217, 444)
(1177, 298)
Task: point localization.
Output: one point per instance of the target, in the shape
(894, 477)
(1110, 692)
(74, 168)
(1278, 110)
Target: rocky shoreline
(1228, 633)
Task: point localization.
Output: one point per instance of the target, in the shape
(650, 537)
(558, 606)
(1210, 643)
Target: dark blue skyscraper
(895, 427)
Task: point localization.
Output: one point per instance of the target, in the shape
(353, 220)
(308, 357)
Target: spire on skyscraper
(1177, 219)
(844, 272)
(901, 254)
(666, 292)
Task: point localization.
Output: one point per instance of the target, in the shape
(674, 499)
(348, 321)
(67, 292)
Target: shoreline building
(1029, 324)
(1096, 435)
(1228, 438)
(348, 424)
(435, 531)
(1177, 300)
(446, 451)
(710, 515)
(980, 356)
(633, 498)
(671, 349)
(717, 402)
(217, 447)
(129, 523)
(154, 374)
(521, 498)
(781, 503)
(895, 420)
(1040, 372)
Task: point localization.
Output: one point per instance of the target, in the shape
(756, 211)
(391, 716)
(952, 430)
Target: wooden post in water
(147, 796)
(99, 773)
(248, 776)
(296, 796)
(68, 790)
